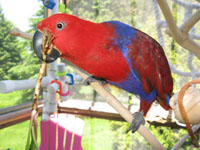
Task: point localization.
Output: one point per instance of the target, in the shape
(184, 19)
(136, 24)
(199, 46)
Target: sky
(19, 11)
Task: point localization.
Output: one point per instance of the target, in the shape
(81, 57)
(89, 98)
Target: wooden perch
(181, 35)
(18, 32)
(185, 28)
(123, 111)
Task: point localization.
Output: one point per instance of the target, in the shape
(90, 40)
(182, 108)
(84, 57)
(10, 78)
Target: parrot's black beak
(37, 46)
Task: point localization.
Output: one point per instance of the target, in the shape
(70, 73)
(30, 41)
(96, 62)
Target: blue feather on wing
(124, 37)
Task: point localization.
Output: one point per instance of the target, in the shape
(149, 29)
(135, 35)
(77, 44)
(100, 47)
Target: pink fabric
(44, 135)
(67, 125)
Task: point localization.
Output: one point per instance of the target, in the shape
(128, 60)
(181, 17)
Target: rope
(183, 112)
(158, 23)
(186, 4)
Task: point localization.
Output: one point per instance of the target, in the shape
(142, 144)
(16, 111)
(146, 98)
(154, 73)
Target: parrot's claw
(138, 119)
(94, 79)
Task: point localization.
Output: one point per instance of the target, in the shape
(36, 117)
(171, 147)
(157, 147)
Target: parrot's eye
(60, 26)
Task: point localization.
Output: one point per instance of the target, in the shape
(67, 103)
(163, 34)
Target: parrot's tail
(164, 102)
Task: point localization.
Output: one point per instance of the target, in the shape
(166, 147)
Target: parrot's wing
(149, 61)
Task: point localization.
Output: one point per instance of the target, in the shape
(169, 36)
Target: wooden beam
(185, 28)
(18, 32)
(182, 38)
(17, 107)
(20, 113)
(91, 113)
(163, 122)
(175, 32)
(15, 117)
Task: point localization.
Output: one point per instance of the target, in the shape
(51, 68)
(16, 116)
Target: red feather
(149, 60)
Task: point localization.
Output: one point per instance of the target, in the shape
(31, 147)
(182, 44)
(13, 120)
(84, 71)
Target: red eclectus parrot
(114, 52)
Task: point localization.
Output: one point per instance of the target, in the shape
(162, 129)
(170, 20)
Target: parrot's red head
(67, 31)
(58, 27)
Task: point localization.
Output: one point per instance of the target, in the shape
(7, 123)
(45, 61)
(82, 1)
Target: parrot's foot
(94, 79)
(138, 119)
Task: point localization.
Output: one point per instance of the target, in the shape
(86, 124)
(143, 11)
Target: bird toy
(46, 48)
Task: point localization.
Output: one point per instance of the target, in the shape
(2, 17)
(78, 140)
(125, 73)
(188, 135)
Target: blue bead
(49, 4)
